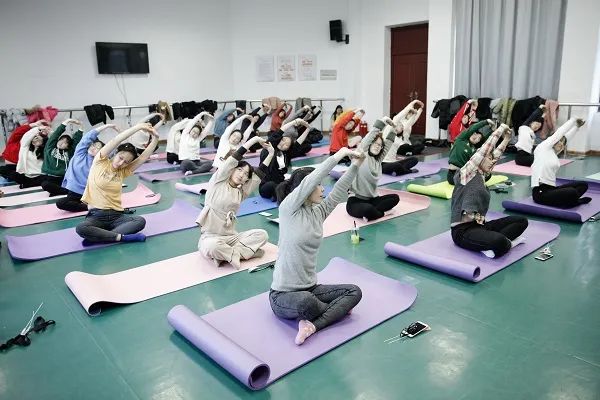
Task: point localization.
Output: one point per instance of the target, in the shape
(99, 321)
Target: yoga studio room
(340, 199)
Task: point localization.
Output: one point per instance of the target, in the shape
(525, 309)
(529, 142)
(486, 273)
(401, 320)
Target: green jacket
(462, 150)
(55, 160)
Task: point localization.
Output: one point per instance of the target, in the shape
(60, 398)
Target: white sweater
(404, 138)
(526, 139)
(174, 136)
(189, 147)
(29, 165)
(225, 147)
(545, 161)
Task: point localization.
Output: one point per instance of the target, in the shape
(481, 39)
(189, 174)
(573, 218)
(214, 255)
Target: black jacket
(523, 109)
(446, 109)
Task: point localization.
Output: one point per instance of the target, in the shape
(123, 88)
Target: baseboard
(584, 153)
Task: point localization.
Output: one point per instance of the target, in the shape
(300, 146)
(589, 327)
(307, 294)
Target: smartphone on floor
(544, 256)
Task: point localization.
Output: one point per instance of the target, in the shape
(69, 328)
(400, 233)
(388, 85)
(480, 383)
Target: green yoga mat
(444, 189)
(595, 176)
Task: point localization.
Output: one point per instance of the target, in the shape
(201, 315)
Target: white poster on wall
(328, 74)
(265, 69)
(307, 67)
(286, 68)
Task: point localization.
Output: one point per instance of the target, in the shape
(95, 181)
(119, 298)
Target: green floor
(532, 331)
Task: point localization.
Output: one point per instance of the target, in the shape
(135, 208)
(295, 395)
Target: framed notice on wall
(265, 69)
(307, 67)
(286, 68)
(328, 74)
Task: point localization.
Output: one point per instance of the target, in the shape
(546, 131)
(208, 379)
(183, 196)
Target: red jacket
(339, 134)
(277, 121)
(456, 127)
(11, 152)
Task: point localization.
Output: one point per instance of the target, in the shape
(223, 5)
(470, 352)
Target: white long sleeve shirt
(225, 148)
(174, 136)
(189, 147)
(526, 139)
(545, 161)
(29, 165)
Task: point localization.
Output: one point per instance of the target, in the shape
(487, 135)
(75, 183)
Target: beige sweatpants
(221, 248)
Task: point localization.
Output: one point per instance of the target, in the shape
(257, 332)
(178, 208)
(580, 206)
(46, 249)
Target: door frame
(387, 69)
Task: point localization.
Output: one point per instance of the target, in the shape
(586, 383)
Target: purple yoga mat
(154, 166)
(257, 348)
(470, 265)
(181, 215)
(423, 169)
(576, 214)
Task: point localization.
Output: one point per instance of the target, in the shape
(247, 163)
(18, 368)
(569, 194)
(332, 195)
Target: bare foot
(305, 330)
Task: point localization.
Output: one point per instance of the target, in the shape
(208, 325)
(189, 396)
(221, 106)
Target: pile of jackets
(505, 110)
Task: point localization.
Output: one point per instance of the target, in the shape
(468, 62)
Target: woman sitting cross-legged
(106, 220)
(295, 293)
(471, 201)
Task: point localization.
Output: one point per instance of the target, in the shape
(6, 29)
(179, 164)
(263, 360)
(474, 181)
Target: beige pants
(221, 248)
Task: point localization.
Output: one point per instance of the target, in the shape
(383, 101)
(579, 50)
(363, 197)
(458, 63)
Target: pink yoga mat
(28, 198)
(140, 196)
(153, 280)
(199, 188)
(339, 221)
(14, 189)
(249, 342)
(514, 169)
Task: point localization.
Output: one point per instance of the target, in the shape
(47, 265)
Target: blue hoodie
(79, 166)
(221, 122)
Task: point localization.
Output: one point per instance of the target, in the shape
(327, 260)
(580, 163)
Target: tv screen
(122, 58)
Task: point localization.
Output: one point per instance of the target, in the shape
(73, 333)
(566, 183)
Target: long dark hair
(129, 148)
(69, 140)
(378, 156)
(334, 115)
(242, 164)
(39, 151)
(286, 187)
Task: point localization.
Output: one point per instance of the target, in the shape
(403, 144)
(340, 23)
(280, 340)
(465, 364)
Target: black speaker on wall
(335, 32)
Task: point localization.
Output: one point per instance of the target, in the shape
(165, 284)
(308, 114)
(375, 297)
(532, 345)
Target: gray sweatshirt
(301, 228)
(365, 185)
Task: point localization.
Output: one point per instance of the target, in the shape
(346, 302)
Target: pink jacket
(47, 113)
(550, 117)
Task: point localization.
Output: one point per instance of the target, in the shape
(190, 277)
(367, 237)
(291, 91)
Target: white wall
(577, 68)
(206, 49)
(48, 51)
(377, 18)
(292, 28)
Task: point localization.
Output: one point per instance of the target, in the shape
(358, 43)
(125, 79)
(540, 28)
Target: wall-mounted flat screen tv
(122, 58)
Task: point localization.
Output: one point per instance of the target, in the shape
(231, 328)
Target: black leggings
(564, 196)
(267, 190)
(173, 158)
(413, 149)
(52, 185)
(371, 209)
(71, 203)
(25, 181)
(401, 167)
(524, 158)
(8, 170)
(494, 235)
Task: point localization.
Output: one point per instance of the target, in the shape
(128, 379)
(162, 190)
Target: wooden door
(409, 70)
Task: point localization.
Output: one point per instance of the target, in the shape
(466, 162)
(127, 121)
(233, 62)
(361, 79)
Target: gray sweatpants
(196, 166)
(221, 248)
(322, 304)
